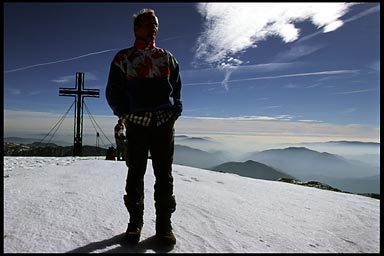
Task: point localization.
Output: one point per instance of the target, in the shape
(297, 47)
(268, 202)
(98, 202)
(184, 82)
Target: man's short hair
(138, 16)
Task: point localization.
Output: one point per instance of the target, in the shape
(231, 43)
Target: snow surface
(75, 204)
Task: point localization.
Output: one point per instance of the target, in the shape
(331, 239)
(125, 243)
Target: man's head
(145, 25)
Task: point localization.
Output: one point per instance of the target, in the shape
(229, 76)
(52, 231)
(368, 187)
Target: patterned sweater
(144, 79)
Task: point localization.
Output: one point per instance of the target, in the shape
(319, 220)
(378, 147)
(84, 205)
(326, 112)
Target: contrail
(329, 72)
(75, 58)
(58, 61)
(359, 91)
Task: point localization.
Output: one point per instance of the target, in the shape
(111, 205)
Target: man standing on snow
(144, 89)
(120, 140)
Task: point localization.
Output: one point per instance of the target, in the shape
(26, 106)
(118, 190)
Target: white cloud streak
(364, 13)
(358, 16)
(356, 91)
(58, 61)
(71, 78)
(296, 52)
(246, 118)
(231, 28)
(13, 91)
(328, 72)
(277, 128)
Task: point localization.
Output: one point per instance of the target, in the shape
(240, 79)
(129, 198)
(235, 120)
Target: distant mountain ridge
(185, 137)
(348, 142)
(303, 162)
(193, 157)
(252, 169)
(306, 164)
(48, 150)
(19, 140)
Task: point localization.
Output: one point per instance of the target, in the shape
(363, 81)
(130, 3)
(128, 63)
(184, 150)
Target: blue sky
(289, 72)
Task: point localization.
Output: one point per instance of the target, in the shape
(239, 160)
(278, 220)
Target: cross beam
(79, 93)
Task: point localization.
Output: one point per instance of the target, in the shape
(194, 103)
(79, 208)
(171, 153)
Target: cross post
(79, 93)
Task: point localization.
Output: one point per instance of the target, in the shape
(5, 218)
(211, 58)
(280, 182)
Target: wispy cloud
(58, 61)
(291, 86)
(63, 79)
(247, 118)
(33, 93)
(232, 28)
(278, 128)
(71, 78)
(357, 91)
(13, 91)
(296, 52)
(207, 74)
(319, 73)
(364, 13)
(313, 85)
(171, 38)
(327, 72)
(309, 121)
(375, 65)
(348, 111)
(353, 18)
(271, 107)
(262, 99)
(19, 92)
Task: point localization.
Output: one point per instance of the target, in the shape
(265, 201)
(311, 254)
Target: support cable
(58, 124)
(93, 120)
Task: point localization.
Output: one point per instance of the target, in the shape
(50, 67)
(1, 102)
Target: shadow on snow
(119, 245)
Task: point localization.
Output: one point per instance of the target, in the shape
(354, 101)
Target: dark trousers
(120, 148)
(159, 142)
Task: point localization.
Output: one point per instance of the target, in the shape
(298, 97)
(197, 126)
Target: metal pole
(78, 140)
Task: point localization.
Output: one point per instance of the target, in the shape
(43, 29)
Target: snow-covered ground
(75, 204)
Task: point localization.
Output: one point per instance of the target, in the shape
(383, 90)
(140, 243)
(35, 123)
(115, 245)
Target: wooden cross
(79, 93)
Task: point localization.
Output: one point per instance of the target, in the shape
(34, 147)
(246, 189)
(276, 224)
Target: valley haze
(350, 166)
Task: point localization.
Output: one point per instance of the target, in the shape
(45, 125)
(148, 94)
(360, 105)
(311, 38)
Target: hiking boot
(165, 235)
(133, 233)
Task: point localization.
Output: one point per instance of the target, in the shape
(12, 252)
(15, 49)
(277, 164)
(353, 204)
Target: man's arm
(175, 81)
(114, 91)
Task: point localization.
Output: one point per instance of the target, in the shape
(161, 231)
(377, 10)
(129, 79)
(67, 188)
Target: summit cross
(79, 93)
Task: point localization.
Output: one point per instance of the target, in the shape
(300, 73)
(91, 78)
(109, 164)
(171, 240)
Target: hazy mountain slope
(251, 169)
(334, 170)
(202, 143)
(302, 163)
(197, 158)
